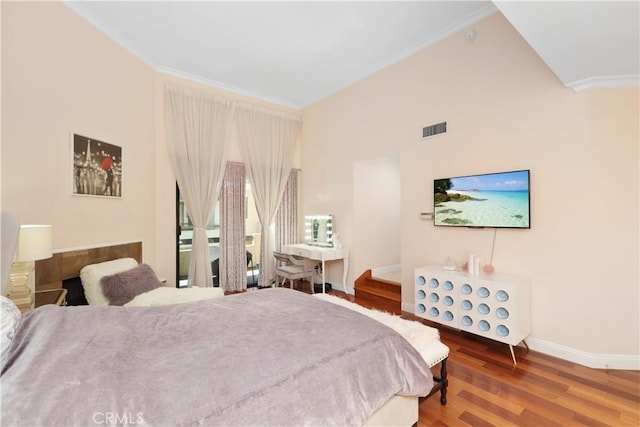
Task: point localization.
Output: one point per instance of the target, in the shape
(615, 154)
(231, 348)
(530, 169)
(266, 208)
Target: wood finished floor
(486, 389)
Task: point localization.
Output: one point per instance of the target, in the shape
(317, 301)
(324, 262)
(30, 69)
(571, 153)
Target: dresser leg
(513, 355)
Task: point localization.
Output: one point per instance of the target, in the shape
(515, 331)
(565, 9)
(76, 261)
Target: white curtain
(196, 126)
(267, 142)
(233, 258)
(287, 231)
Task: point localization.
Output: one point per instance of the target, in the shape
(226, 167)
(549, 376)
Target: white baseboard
(408, 307)
(384, 270)
(344, 289)
(590, 360)
(339, 287)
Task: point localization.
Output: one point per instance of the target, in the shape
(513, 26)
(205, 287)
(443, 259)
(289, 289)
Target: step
(393, 293)
(377, 302)
(377, 285)
(380, 294)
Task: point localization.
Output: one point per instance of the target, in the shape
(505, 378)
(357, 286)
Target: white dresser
(322, 254)
(495, 307)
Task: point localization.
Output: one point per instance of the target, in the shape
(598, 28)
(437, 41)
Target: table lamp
(34, 243)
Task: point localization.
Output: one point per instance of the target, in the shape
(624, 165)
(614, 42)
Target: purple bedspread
(271, 357)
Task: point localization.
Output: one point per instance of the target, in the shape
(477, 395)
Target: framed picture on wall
(96, 167)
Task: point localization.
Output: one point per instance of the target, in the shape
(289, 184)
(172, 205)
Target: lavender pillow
(120, 288)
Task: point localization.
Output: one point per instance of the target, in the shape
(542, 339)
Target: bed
(269, 357)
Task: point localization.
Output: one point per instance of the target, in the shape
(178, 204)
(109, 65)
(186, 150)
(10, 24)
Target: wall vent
(433, 130)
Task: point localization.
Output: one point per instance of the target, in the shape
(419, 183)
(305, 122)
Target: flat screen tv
(498, 200)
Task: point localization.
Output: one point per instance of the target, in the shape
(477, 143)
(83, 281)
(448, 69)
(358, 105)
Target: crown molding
(605, 82)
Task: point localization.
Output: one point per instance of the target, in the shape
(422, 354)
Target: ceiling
(295, 53)
(587, 44)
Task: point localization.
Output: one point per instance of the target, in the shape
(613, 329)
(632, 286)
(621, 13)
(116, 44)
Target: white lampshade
(34, 243)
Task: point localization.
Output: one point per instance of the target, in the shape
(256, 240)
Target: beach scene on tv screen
(491, 200)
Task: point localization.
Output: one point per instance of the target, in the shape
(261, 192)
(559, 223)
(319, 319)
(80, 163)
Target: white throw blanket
(165, 295)
(423, 338)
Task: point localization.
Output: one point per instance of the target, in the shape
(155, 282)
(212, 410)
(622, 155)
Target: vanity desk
(319, 246)
(322, 254)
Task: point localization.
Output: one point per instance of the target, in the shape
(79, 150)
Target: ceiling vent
(433, 130)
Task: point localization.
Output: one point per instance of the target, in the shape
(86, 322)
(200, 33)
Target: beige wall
(59, 74)
(506, 111)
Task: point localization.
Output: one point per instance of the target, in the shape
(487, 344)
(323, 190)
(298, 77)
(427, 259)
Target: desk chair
(289, 267)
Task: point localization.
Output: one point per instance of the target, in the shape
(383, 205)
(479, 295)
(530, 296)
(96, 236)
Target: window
(185, 235)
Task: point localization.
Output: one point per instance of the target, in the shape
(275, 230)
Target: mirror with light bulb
(318, 230)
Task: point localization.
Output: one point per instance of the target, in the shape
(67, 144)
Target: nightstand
(51, 296)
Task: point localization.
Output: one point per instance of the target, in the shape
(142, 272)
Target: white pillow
(9, 321)
(91, 274)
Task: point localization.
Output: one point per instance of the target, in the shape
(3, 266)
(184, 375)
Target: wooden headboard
(51, 272)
